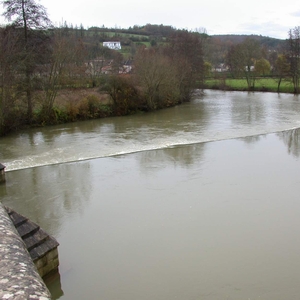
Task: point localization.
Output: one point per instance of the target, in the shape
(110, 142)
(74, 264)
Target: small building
(127, 66)
(112, 45)
(2, 173)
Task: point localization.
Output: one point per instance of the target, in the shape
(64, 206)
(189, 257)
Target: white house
(112, 45)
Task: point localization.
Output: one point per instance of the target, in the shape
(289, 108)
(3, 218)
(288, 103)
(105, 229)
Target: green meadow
(267, 84)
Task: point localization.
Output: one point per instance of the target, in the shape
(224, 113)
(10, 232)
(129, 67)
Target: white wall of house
(112, 45)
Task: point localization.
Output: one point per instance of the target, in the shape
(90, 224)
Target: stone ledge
(41, 246)
(19, 279)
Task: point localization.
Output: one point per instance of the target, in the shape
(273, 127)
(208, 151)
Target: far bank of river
(260, 84)
(82, 104)
(198, 201)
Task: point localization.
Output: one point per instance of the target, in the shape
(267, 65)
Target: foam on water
(214, 117)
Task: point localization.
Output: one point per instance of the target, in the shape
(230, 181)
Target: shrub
(91, 107)
(123, 93)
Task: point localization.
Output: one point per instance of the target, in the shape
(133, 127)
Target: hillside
(268, 42)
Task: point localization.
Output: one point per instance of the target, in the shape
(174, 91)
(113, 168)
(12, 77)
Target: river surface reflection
(211, 117)
(210, 220)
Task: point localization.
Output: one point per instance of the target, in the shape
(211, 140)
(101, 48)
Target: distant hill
(161, 32)
(268, 42)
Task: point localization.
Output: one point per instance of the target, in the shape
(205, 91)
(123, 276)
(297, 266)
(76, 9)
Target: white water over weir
(213, 117)
(212, 213)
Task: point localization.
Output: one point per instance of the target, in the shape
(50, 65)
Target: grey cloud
(271, 29)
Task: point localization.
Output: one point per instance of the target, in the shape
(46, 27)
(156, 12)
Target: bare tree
(281, 69)
(187, 48)
(95, 62)
(65, 60)
(9, 64)
(123, 93)
(294, 56)
(241, 59)
(157, 76)
(31, 17)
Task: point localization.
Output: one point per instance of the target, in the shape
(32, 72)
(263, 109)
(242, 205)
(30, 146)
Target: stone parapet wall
(19, 279)
(41, 246)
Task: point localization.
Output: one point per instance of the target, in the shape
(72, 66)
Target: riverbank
(260, 85)
(81, 104)
(240, 114)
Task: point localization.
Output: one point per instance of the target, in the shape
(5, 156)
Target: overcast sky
(266, 17)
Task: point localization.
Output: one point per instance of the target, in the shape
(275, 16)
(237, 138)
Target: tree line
(255, 57)
(38, 60)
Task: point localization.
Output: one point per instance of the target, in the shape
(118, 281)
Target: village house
(112, 45)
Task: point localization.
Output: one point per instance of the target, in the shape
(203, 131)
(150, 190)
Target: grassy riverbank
(260, 84)
(77, 104)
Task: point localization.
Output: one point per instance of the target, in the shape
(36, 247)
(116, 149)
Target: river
(198, 201)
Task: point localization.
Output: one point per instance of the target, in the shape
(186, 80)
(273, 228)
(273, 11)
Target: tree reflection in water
(46, 194)
(291, 139)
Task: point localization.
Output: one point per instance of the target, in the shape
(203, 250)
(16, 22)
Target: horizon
(217, 18)
(2, 24)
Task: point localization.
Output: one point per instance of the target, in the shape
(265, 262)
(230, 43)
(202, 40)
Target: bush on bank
(88, 107)
(117, 96)
(118, 99)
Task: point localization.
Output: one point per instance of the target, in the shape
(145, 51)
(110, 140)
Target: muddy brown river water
(200, 201)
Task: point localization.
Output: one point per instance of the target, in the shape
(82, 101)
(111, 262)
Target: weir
(19, 274)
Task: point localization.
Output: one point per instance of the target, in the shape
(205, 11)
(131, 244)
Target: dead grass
(74, 96)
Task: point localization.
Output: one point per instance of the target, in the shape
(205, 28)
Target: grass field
(261, 84)
(125, 35)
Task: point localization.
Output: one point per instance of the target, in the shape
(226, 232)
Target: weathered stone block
(19, 278)
(42, 247)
